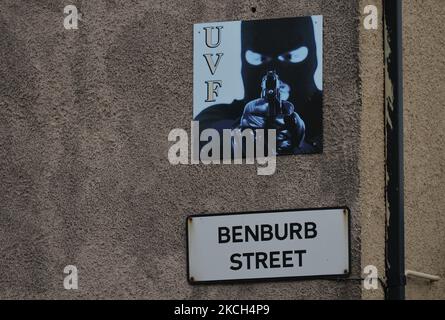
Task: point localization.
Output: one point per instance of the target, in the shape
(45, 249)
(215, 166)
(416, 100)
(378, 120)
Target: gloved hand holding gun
(270, 112)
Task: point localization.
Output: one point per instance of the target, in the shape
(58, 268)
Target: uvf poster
(261, 74)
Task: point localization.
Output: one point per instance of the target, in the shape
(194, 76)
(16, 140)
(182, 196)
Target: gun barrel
(271, 92)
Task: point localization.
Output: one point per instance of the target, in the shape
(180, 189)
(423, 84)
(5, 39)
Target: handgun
(270, 91)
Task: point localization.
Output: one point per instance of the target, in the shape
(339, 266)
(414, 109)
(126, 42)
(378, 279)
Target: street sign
(268, 245)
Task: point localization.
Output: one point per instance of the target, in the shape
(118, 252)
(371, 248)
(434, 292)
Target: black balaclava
(279, 45)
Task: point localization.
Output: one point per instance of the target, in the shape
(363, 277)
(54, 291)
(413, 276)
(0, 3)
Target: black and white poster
(261, 74)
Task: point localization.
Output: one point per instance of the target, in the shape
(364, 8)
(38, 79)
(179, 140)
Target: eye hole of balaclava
(294, 56)
(255, 58)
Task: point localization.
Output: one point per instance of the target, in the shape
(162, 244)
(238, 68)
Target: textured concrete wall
(84, 119)
(372, 154)
(424, 99)
(84, 176)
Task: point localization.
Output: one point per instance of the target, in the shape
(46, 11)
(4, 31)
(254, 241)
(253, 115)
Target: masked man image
(287, 47)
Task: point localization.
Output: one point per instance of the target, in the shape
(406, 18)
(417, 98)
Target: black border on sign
(250, 280)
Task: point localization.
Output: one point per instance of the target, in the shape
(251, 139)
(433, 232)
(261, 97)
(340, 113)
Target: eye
(294, 56)
(256, 59)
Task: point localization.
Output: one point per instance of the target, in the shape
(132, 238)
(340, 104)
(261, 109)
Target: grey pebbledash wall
(424, 95)
(84, 174)
(85, 116)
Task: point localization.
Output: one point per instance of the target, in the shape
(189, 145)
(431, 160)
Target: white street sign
(268, 245)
